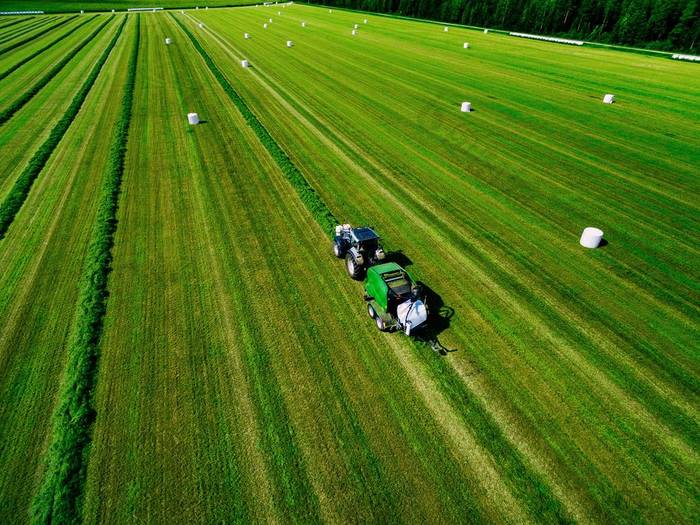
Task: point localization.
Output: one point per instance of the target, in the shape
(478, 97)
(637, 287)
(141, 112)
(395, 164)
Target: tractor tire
(354, 270)
(337, 250)
(380, 324)
(370, 311)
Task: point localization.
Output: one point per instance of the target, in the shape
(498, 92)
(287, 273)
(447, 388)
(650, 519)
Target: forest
(653, 24)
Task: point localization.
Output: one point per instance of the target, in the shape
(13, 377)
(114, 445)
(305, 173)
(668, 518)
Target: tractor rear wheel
(354, 269)
(337, 250)
(380, 324)
(370, 311)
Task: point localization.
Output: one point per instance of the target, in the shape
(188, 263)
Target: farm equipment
(360, 247)
(394, 300)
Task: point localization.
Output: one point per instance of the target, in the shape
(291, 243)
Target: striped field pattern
(234, 375)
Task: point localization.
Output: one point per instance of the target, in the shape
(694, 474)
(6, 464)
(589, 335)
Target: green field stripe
(307, 194)
(19, 43)
(38, 52)
(17, 195)
(14, 33)
(59, 497)
(42, 258)
(13, 108)
(13, 22)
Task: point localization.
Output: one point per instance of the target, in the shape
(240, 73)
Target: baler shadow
(439, 314)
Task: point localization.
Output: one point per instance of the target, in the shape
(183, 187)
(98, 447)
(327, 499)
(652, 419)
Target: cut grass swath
(18, 194)
(19, 32)
(29, 94)
(38, 52)
(36, 35)
(58, 497)
(320, 212)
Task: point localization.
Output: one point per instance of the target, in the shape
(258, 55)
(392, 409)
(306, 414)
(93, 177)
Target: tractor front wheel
(354, 269)
(337, 250)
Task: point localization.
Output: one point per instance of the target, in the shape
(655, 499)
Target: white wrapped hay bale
(608, 99)
(356, 26)
(354, 32)
(303, 24)
(270, 20)
(446, 29)
(591, 237)
(466, 107)
(245, 63)
(364, 21)
(246, 35)
(486, 31)
(264, 26)
(193, 118)
(201, 25)
(466, 45)
(82, 12)
(168, 41)
(290, 43)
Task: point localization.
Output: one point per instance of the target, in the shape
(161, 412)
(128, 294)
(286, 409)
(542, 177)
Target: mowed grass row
(30, 126)
(28, 36)
(255, 394)
(29, 92)
(42, 48)
(17, 75)
(42, 257)
(7, 35)
(512, 315)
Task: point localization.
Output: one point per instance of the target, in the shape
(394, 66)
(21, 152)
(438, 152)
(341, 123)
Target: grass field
(231, 373)
(63, 6)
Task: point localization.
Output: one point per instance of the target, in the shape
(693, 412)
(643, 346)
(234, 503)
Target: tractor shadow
(439, 314)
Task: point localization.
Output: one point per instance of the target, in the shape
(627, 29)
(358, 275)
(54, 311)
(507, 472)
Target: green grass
(38, 292)
(239, 377)
(61, 6)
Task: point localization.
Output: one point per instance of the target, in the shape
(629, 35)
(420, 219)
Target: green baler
(394, 299)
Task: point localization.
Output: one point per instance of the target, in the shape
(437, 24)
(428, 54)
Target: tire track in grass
(38, 52)
(13, 108)
(677, 419)
(541, 503)
(58, 500)
(37, 35)
(18, 194)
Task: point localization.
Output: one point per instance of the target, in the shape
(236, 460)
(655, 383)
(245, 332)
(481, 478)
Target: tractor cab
(394, 299)
(360, 247)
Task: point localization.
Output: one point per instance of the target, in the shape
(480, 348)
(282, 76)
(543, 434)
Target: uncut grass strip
(33, 90)
(307, 194)
(59, 498)
(38, 52)
(15, 45)
(293, 490)
(19, 191)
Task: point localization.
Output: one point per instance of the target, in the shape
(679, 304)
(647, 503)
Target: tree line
(654, 24)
